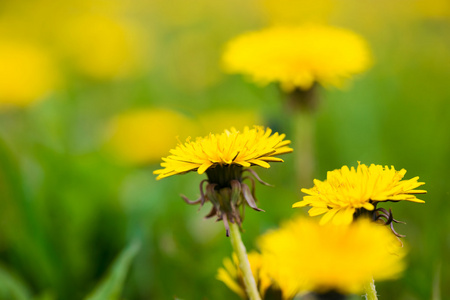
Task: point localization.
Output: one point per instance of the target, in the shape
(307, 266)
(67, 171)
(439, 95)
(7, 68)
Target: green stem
(371, 292)
(301, 106)
(304, 128)
(244, 265)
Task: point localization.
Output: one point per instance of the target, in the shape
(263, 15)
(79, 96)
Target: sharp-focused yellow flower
(223, 157)
(257, 146)
(304, 256)
(349, 191)
(297, 57)
(130, 137)
(232, 276)
(27, 73)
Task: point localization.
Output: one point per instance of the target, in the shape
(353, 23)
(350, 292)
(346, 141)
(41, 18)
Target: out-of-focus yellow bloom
(345, 191)
(231, 275)
(256, 146)
(27, 73)
(297, 57)
(433, 9)
(143, 136)
(283, 12)
(304, 256)
(103, 46)
(216, 121)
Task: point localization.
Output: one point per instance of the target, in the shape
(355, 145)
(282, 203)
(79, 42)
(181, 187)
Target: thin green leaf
(111, 285)
(11, 287)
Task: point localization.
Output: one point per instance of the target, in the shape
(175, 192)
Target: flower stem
(302, 105)
(244, 265)
(371, 292)
(304, 127)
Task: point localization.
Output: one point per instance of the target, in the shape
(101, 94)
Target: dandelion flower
(131, 142)
(350, 191)
(298, 56)
(231, 148)
(223, 157)
(304, 256)
(28, 74)
(103, 47)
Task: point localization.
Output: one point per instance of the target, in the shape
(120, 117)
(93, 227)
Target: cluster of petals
(305, 256)
(347, 189)
(298, 56)
(256, 146)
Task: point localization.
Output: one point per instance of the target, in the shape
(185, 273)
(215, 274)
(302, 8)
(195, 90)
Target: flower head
(129, 139)
(347, 191)
(223, 158)
(298, 56)
(28, 73)
(250, 147)
(303, 256)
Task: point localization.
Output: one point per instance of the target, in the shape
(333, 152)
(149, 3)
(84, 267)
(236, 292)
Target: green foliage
(11, 287)
(111, 285)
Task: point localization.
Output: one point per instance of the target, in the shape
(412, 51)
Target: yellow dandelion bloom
(27, 73)
(102, 46)
(217, 120)
(223, 157)
(347, 191)
(304, 256)
(232, 277)
(298, 56)
(257, 146)
(129, 134)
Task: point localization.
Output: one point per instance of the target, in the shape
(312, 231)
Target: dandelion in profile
(348, 193)
(330, 260)
(225, 158)
(298, 56)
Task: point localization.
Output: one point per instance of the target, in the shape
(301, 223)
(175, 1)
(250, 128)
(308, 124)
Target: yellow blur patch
(143, 136)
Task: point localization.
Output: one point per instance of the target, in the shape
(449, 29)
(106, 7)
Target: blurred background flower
(297, 57)
(28, 73)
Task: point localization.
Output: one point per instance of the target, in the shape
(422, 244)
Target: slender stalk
(302, 105)
(244, 265)
(371, 292)
(304, 128)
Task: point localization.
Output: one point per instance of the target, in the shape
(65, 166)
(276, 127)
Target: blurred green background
(93, 93)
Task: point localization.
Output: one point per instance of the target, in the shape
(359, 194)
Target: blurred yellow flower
(299, 56)
(27, 73)
(232, 276)
(103, 46)
(283, 12)
(304, 256)
(217, 120)
(138, 136)
(346, 191)
(250, 147)
(434, 9)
